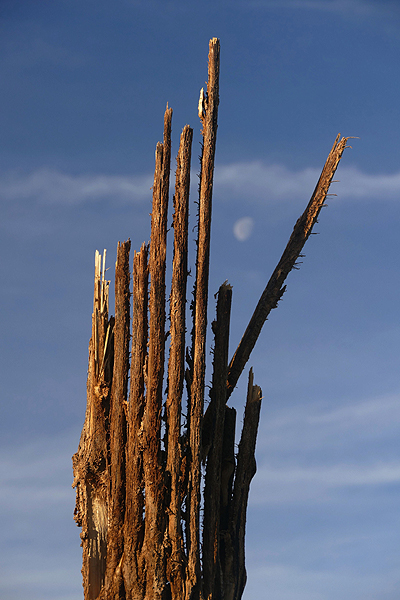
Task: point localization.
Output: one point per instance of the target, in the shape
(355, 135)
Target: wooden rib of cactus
(138, 469)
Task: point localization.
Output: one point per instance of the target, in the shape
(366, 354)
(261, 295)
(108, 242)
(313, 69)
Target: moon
(243, 228)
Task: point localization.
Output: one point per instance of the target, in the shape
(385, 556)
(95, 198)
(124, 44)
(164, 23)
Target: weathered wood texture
(275, 288)
(234, 572)
(176, 366)
(133, 570)
(117, 424)
(145, 443)
(209, 118)
(91, 462)
(212, 491)
(153, 549)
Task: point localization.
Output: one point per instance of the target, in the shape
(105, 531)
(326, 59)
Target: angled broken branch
(275, 288)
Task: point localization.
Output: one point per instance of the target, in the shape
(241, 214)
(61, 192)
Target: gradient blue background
(84, 87)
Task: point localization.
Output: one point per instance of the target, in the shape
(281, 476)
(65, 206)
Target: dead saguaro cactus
(150, 529)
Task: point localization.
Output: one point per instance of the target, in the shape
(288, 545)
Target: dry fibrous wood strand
(176, 364)
(212, 491)
(209, 121)
(119, 388)
(275, 287)
(90, 463)
(134, 503)
(234, 566)
(152, 460)
(161, 495)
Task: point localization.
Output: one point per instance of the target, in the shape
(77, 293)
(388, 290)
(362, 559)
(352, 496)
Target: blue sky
(84, 88)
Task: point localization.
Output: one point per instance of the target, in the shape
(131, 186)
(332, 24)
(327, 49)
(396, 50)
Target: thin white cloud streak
(285, 484)
(261, 182)
(255, 181)
(374, 415)
(333, 476)
(373, 411)
(54, 187)
(38, 475)
(46, 578)
(23, 495)
(310, 454)
(291, 582)
(314, 433)
(36, 582)
(356, 184)
(36, 502)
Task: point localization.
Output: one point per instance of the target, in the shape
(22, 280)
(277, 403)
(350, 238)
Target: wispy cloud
(55, 187)
(312, 433)
(262, 182)
(37, 474)
(372, 415)
(36, 503)
(356, 184)
(256, 181)
(287, 484)
(333, 476)
(312, 453)
(288, 581)
(373, 411)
